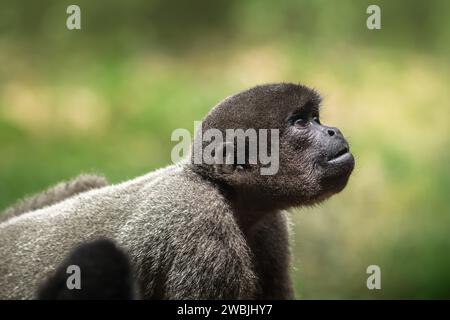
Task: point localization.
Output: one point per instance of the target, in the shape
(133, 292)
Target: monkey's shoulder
(179, 206)
(185, 215)
(183, 192)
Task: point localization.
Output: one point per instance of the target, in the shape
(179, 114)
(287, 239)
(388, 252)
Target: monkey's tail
(54, 194)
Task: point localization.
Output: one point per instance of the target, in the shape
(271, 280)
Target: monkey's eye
(300, 121)
(316, 119)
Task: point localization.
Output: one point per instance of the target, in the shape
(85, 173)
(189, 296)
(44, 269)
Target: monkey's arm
(213, 262)
(269, 243)
(105, 274)
(54, 194)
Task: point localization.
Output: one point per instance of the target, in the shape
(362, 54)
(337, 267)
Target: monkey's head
(314, 159)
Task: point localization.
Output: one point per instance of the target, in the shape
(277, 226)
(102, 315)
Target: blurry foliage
(106, 99)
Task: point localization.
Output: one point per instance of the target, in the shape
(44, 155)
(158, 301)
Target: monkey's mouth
(342, 155)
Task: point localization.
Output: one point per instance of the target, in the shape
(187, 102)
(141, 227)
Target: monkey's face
(314, 160)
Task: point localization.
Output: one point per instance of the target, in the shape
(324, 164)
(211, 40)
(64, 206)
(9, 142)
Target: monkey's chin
(337, 173)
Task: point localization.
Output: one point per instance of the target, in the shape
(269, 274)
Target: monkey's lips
(339, 166)
(342, 156)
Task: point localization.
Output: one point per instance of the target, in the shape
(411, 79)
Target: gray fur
(55, 194)
(150, 219)
(191, 231)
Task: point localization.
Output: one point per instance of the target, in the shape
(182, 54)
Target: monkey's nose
(332, 131)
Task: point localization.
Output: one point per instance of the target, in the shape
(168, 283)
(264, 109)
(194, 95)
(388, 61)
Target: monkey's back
(154, 217)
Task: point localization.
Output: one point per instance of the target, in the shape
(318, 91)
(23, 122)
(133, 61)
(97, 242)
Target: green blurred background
(106, 98)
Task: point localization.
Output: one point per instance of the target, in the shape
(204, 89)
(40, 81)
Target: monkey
(105, 274)
(55, 194)
(197, 230)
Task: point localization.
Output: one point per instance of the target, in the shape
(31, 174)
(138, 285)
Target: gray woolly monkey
(196, 230)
